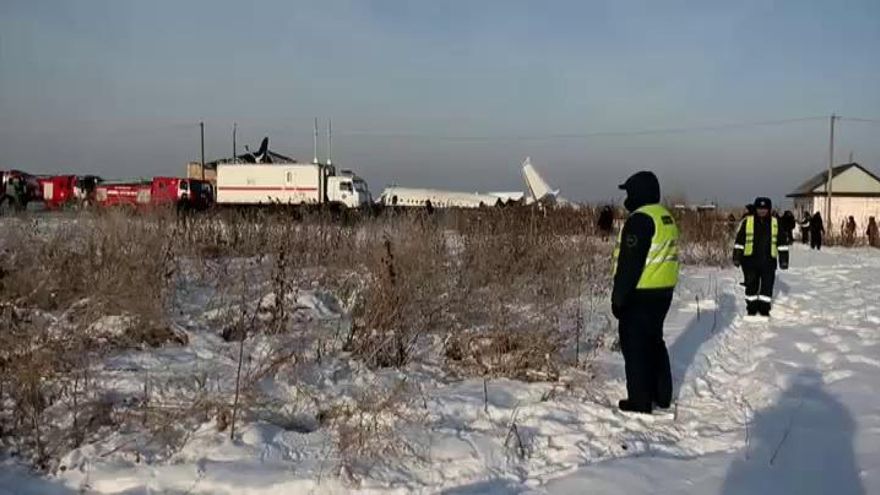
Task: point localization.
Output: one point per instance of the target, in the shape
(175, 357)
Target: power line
(856, 119)
(585, 135)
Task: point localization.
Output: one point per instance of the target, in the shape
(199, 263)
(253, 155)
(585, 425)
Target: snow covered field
(788, 406)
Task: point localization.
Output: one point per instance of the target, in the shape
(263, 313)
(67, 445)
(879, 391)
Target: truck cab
(17, 189)
(200, 193)
(348, 189)
(190, 193)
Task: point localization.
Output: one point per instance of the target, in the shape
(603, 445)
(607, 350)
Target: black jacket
(787, 222)
(817, 227)
(635, 241)
(761, 256)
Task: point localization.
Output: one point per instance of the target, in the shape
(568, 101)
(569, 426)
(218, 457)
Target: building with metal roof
(855, 191)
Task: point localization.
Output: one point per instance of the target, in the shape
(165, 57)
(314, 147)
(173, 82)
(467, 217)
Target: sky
(449, 94)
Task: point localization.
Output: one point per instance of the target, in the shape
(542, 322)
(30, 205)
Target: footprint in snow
(827, 358)
(761, 352)
(858, 358)
(832, 339)
(805, 348)
(836, 376)
(821, 332)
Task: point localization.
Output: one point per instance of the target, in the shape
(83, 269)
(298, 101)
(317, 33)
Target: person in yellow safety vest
(645, 268)
(759, 246)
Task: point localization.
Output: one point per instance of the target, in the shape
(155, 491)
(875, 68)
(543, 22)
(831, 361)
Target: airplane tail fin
(538, 188)
(264, 147)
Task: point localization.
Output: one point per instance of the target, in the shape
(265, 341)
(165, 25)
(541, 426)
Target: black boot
(752, 308)
(625, 405)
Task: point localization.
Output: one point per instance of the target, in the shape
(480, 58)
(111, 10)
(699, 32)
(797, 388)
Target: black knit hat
(763, 203)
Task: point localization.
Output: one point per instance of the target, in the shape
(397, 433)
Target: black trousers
(759, 287)
(816, 241)
(646, 360)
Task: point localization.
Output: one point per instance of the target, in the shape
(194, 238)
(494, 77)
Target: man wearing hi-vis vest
(645, 273)
(760, 244)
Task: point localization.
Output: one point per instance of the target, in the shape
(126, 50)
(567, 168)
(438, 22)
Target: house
(855, 191)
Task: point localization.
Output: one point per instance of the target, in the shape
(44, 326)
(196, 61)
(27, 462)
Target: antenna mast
(329, 142)
(315, 146)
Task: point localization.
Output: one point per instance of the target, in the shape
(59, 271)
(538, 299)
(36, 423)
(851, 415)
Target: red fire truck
(158, 192)
(59, 191)
(17, 189)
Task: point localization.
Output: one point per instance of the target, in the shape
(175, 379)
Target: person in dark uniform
(645, 271)
(849, 232)
(605, 223)
(760, 246)
(873, 233)
(788, 223)
(805, 228)
(817, 231)
(750, 212)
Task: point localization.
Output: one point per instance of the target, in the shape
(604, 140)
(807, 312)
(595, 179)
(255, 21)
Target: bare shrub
(369, 429)
(706, 237)
(405, 294)
(490, 292)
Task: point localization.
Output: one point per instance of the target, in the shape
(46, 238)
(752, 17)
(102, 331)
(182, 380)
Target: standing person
(731, 221)
(750, 213)
(645, 272)
(817, 230)
(849, 232)
(15, 192)
(605, 223)
(787, 223)
(873, 233)
(805, 228)
(759, 244)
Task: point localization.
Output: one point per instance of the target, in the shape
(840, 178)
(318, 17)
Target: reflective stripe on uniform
(765, 298)
(750, 237)
(751, 298)
(738, 246)
(782, 248)
(668, 259)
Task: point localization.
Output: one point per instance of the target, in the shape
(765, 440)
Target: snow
(785, 406)
(805, 383)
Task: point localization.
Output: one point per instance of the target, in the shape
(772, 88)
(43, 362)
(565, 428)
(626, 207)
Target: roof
(808, 188)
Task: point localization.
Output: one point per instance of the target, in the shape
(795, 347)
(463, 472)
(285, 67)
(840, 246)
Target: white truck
(303, 184)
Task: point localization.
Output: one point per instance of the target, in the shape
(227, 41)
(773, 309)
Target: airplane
(538, 190)
(538, 193)
(263, 155)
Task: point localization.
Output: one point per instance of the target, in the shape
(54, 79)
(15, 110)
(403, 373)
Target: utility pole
(828, 188)
(234, 150)
(202, 128)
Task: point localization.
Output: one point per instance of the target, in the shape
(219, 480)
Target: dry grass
(496, 289)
